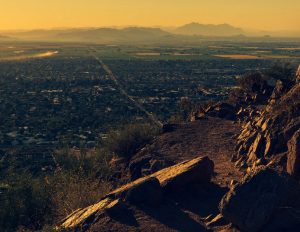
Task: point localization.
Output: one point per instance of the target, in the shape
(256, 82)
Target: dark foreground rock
(285, 219)
(293, 162)
(254, 203)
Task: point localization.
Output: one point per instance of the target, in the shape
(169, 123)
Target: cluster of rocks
(220, 109)
(140, 165)
(254, 92)
(234, 111)
(272, 134)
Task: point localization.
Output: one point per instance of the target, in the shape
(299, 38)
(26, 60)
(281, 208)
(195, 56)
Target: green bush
(253, 82)
(31, 204)
(281, 71)
(26, 202)
(130, 139)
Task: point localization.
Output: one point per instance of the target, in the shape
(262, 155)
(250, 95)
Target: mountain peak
(195, 28)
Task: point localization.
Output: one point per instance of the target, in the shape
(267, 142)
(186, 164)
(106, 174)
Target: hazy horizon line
(144, 26)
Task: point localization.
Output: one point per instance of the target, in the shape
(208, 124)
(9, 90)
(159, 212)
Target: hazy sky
(259, 14)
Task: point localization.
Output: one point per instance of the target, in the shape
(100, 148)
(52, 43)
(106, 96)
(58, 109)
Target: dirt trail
(212, 137)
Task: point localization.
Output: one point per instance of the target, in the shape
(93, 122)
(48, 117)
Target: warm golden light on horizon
(256, 14)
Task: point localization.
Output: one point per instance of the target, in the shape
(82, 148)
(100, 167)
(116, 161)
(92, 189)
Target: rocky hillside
(234, 167)
(271, 135)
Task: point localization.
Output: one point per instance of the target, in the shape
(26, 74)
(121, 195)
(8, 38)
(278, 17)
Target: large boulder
(192, 172)
(143, 191)
(148, 191)
(285, 219)
(251, 204)
(293, 162)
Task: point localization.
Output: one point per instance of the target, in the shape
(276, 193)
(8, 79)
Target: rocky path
(212, 137)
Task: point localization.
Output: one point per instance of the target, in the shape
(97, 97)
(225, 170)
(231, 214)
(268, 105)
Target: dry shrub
(73, 191)
(130, 139)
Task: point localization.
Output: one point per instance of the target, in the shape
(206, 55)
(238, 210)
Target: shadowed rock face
(251, 204)
(293, 162)
(144, 191)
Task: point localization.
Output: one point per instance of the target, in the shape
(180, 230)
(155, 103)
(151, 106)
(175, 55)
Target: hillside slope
(185, 179)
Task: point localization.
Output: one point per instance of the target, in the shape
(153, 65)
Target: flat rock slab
(145, 190)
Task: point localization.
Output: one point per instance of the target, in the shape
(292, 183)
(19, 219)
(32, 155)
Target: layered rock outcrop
(265, 136)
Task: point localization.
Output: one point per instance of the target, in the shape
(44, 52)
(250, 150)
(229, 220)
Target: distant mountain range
(209, 30)
(101, 35)
(111, 35)
(190, 33)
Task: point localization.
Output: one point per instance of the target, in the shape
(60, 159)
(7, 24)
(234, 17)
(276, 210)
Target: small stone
(219, 220)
